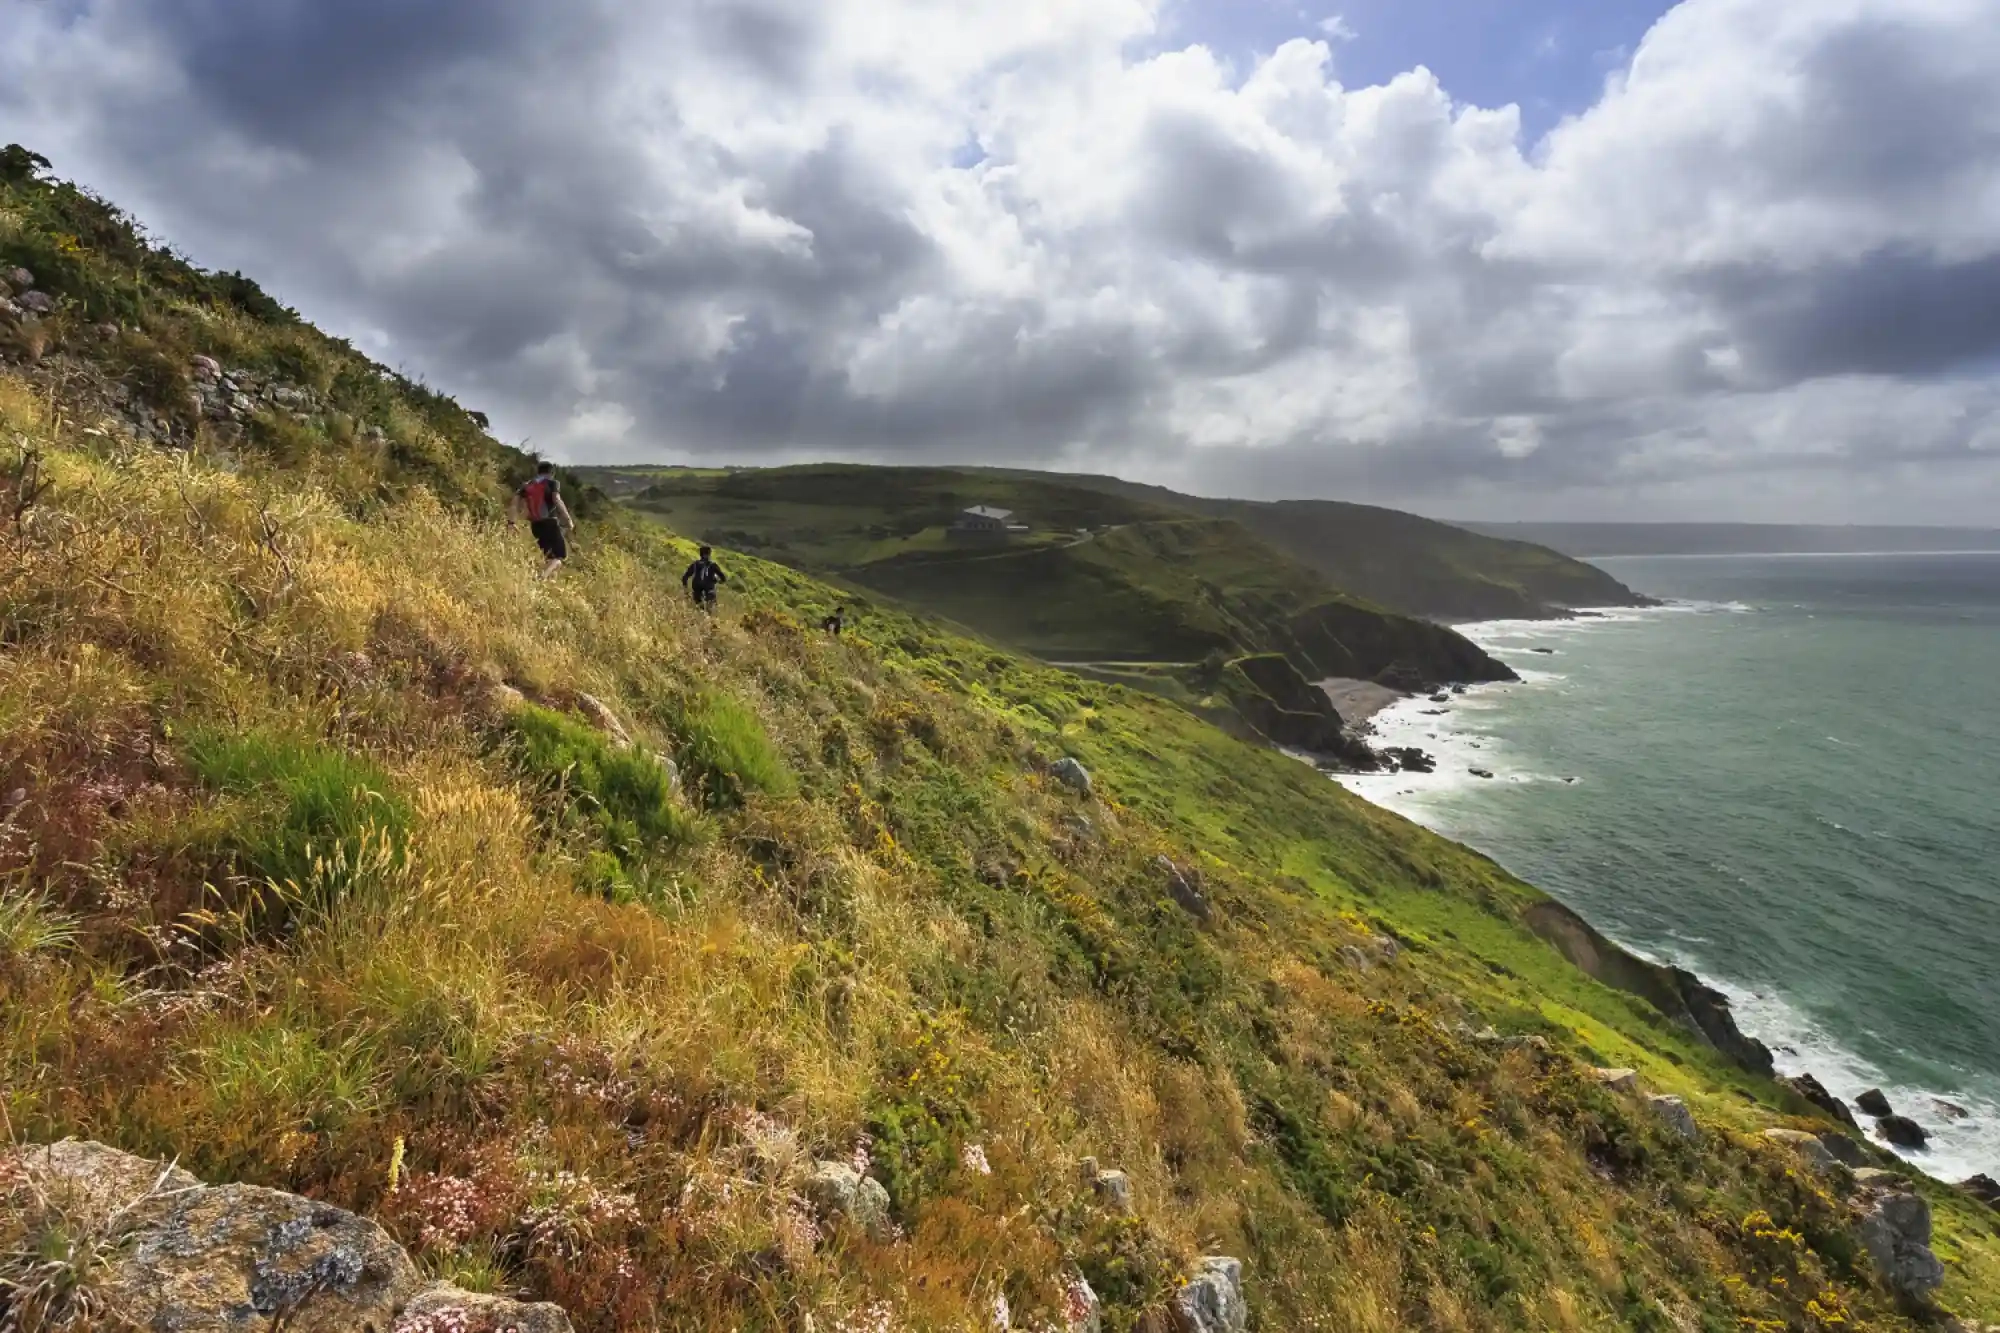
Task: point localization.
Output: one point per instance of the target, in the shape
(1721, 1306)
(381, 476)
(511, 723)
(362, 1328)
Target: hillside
(718, 974)
(1414, 566)
(1100, 580)
(1607, 539)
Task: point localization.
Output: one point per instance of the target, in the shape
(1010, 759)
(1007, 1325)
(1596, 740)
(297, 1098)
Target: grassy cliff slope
(1100, 578)
(339, 854)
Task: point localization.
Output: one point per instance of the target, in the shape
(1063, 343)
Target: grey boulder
(1212, 1301)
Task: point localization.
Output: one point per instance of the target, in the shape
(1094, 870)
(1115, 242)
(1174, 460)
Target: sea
(1787, 780)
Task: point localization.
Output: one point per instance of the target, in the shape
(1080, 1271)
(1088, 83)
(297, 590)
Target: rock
(1082, 1311)
(183, 1256)
(1352, 956)
(1114, 1188)
(673, 772)
(1673, 1113)
(1409, 759)
(1481, 773)
(605, 720)
(1441, 698)
(1545, 652)
(36, 303)
(1805, 1145)
(1212, 1301)
(106, 330)
(443, 1308)
(1872, 1102)
(1875, 1178)
(1902, 1131)
(1845, 1150)
(1182, 889)
(1895, 1229)
(1072, 775)
(1675, 992)
(1618, 1080)
(206, 368)
(838, 1190)
(1950, 1110)
(19, 279)
(1983, 1188)
(504, 698)
(1812, 1090)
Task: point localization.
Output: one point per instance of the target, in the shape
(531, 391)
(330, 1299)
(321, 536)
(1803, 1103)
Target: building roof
(987, 511)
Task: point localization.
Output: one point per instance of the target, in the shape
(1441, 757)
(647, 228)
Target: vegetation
(1101, 580)
(565, 1031)
(839, 518)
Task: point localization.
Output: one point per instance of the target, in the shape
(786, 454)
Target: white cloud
(735, 227)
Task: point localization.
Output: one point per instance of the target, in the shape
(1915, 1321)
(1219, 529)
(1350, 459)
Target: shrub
(727, 751)
(320, 820)
(625, 795)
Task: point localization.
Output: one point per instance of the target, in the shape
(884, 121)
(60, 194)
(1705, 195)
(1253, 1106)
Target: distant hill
(1415, 565)
(1099, 577)
(1407, 564)
(1584, 540)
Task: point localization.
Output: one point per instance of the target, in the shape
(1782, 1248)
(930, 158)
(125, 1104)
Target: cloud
(1761, 270)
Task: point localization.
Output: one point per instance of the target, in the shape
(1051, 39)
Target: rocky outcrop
(1674, 1114)
(1674, 991)
(1902, 1131)
(838, 1190)
(1072, 775)
(1808, 1146)
(1872, 1102)
(1844, 1149)
(1212, 1301)
(1895, 1229)
(1813, 1091)
(1181, 887)
(1618, 1080)
(1983, 1188)
(175, 1254)
(1114, 1189)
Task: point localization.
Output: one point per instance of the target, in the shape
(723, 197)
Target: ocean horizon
(1781, 779)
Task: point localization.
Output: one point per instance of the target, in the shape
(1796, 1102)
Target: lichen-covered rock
(1673, 1113)
(1895, 1229)
(1807, 1146)
(1813, 1091)
(1618, 1080)
(1181, 887)
(1212, 1301)
(838, 1190)
(604, 720)
(1115, 1189)
(192, 1258)
(1072, 775)
(443, 1308)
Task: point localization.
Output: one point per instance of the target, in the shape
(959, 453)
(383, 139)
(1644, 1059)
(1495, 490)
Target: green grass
(316, 821)
(625, 795)
(725, 751)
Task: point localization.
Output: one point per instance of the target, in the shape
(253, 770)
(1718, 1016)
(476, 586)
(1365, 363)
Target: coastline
(1469, 755)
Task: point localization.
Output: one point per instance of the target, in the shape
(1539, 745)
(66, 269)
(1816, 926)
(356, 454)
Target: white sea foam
(1462, 739)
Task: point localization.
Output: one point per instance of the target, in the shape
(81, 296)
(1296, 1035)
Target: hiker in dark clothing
(834, 623)
(702, 578)
(541, 500)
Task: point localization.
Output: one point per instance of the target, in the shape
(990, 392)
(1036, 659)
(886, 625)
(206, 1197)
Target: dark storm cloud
(732, 229)
(1886, 314)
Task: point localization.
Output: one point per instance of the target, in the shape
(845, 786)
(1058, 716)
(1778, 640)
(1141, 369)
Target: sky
(1534, 259)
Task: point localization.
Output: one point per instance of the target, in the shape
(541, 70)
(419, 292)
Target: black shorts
(704, 597)
(549, 536)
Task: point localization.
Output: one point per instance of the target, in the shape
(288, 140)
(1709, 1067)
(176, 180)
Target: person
(702, 578)
(548, 517)
(834, 623)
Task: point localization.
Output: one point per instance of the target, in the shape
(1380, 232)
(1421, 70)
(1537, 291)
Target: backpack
(540, 496)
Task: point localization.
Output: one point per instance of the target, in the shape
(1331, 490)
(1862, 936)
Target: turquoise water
(1785, 781)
